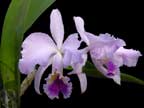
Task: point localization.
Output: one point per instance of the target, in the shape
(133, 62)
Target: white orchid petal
(56, 27)
(57, 65)
(104, 46)
(72, 42)
(83, 81)
(129, 56)
(37, 49)
(115, 74)
(117, 78)
(79, 22)
(67, 58)
(79, 57)
(38, 77)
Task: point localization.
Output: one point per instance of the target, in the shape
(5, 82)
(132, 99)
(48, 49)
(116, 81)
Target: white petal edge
(117, 78)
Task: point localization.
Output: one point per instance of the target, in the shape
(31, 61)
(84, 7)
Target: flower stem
(27, 82)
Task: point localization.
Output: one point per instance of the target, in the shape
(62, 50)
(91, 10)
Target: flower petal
(56, 26)
(79, 22)
(37, 49)
(67, 58)
(117, 78)
(99, 65)
(112, 72)
(92, 38)
(72, 42)
(51, 88)
(108, 39)
(83, 81)
(57, 65)
(78, 60)
(128, 56)
(75, 58)
(105, 39)
(66, 89)
(38, 77)
(104, 46)
(56, 84)
(70, 45)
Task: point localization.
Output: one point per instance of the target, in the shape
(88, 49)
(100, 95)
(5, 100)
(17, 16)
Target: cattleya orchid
(107, 53)
(40, 48)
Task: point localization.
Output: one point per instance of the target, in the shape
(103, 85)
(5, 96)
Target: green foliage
(93, 72)
(20, 16)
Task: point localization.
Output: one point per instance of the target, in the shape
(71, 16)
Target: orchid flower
(107, 53)
(40, 48)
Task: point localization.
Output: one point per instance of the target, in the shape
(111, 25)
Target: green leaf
(131, 79)
(20, 16)
(69, 68)
(93, 72)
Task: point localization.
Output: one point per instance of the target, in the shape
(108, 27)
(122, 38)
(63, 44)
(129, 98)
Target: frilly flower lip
(55, 84)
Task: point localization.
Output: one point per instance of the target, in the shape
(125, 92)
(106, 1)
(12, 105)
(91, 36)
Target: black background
(120, 18)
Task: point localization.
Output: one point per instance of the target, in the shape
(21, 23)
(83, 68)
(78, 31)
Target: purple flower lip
(56, 85)
(111, 67)
(110, 74)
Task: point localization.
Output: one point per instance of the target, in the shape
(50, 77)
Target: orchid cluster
(107, 53)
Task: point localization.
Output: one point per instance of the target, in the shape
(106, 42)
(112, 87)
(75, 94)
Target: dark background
(120, 18)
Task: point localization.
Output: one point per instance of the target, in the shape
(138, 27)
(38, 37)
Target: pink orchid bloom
(40, 48)
(107, 53)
